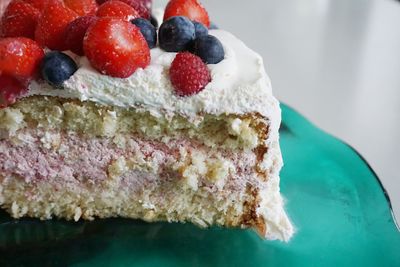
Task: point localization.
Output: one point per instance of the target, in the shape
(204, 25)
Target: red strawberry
(19, 57)
(116, 47)
(75, 32)
(82, 7)
(117, 9)
(188, 73)
(51, 26)
(10, 90)
(19, 19)
(188, 8)
(38, 4)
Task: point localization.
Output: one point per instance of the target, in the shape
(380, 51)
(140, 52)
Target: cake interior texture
(80, 160)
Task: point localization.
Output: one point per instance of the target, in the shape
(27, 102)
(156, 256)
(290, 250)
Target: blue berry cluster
(181, 34)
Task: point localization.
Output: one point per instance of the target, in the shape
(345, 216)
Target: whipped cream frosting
(239, 85)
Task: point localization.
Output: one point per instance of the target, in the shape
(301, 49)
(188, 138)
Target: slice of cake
(126, 126)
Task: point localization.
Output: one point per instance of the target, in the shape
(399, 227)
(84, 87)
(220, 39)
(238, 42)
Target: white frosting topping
(239, 85)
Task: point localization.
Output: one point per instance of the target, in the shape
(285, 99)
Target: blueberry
(154, 21)
(200, 29)
(209, 49)
(57, 67)
(148, 31)
(176, 34)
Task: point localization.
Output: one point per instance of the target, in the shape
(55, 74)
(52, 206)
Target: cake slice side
(71, 159)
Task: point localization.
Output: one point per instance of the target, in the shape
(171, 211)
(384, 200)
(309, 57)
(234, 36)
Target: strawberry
(10, 90)
(19, 20)
(75, 32)
(20, 57)
(38, 4)
(117, 9)
(82, 7)
(116, 47)
(51, 25)
(188, 8)
(188, 74)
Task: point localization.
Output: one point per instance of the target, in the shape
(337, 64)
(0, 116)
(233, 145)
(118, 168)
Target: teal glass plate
(340, 209)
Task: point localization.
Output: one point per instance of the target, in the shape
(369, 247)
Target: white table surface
(335, 61)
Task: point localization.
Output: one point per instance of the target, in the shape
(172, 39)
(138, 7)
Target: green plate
(340, 209)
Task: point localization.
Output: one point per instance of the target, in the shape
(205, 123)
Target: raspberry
(116, 47)
(75, 32)
(143, 7)
(188, 8)
(117, 9)
(82, 7)
(19, 20)
(20, 57)
(188, 74)
(10, 90)
(38, 4)
(51, 26)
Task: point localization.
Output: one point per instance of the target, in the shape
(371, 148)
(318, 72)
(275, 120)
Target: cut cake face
(100, 146)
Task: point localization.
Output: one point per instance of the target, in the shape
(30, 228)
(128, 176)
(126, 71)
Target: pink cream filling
(86, 160)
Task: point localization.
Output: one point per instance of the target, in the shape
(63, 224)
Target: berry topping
(188, 8)
(117, 9)
(38, 4)
(209, 49)
(148, 30)
(154, 21)
(51, 25)
(200, 29)
(57, 67)
(19, 57)
(188, 74)
(10, 90)
(116, 47)
(82, 7)
(142, 7)
(176, 34)
(19, 20)
(75, 32)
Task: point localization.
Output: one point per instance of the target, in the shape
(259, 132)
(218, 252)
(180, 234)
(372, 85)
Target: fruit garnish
(188, 8)
(19, 20)
(148, 30)
(38, 4)
(20, 57)
(75, 32)
(209, 49)
(117, 9)
(82, 7)
(200, 29)
(154, 21)
(188, 73)
(57, 67)
(52, 24)
(10, 90)
(176, 34)
(143, 7)
(116, 47)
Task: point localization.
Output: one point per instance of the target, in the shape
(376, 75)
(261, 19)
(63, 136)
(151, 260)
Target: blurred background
(335, 61)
